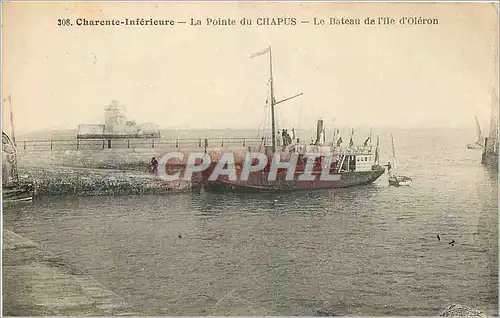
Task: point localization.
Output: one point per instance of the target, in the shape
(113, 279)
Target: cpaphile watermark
(251, 162)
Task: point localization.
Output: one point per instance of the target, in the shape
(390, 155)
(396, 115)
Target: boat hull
(258, 183)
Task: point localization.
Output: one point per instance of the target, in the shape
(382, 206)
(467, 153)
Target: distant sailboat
(479, 144)
(396, 179)
(490, 151)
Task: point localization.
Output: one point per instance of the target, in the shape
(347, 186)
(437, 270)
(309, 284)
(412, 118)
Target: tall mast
(12, 121)
(273, 100)
(273, 121)
(393, 152)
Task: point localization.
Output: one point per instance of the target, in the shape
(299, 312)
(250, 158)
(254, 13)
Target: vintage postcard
(249, 159)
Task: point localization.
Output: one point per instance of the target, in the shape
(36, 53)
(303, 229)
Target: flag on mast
(260, 52)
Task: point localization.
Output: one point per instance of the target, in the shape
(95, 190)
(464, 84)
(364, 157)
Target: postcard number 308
(64, 22)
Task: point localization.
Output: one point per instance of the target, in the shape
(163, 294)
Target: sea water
(369, 250)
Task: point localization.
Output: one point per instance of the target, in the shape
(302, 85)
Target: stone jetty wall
(100, 172)
(67, 181)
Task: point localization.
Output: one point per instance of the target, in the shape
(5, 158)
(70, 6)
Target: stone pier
(35, 283)
(70, 181)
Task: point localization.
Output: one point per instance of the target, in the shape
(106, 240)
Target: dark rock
(457, 310)
(324, 313)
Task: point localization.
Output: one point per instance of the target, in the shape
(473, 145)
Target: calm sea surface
(369, 250)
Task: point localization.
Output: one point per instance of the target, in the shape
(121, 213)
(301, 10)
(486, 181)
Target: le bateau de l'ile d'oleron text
(259, 22)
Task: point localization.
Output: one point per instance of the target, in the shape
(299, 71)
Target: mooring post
(222, 142)
(128, 143)
(24, 144)
(199, 143)
(51, 145)
(109, 143)
(244, 141)
(177, 143)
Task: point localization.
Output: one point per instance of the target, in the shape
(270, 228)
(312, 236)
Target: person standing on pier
(154, 165)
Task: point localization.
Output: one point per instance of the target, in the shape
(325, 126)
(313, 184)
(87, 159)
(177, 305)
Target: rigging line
(278, 119)
(261, 121)
(267, 109)
(264, 117)
(300, 115)
(266, 125)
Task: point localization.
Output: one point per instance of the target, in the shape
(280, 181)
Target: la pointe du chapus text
(332, 21)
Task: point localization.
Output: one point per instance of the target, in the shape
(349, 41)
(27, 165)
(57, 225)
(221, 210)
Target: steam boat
(345, 166)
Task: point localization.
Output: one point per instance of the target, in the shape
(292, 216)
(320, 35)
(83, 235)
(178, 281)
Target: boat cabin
(363, 162)
(343, 160)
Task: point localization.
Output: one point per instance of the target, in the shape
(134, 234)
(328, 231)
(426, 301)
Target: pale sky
(202, 77)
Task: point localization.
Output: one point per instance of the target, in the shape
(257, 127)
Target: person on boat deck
(388, 165)
(288, 138)
(154, 165)
(283, 135)
(278, 140)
